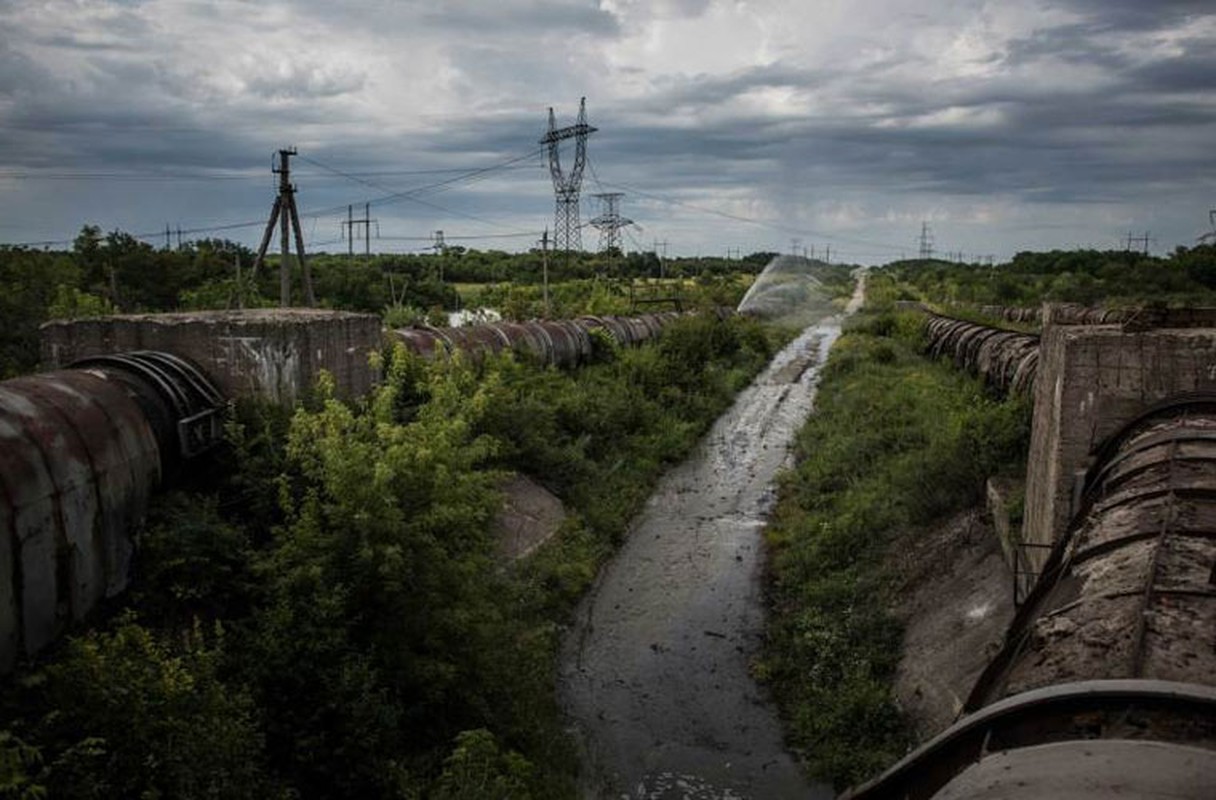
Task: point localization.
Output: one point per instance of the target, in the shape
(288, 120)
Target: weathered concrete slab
(956, 600)
(1006, 499)
(273, 353)
(531, 515)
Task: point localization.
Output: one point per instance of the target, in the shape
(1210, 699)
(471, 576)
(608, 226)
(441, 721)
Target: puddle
(654, 676)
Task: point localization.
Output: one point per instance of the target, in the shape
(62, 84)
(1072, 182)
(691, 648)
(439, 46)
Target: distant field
(466, 290)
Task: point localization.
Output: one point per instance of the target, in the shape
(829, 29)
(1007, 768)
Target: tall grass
(896, 442)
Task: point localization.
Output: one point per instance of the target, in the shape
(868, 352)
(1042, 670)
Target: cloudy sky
(1003, 124)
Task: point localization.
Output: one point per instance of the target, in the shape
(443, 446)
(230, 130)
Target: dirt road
(655, 674)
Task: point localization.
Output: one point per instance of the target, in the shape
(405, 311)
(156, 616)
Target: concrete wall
(1092, 379)
(275, 354)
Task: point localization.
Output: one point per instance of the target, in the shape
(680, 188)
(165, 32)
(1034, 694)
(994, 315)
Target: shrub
(138, 717)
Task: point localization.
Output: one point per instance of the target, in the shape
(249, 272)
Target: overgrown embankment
(324, 616)
(897, 441)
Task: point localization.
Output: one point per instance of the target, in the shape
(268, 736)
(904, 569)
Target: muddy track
(654, 675)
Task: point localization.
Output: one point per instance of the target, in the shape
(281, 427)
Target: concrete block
(1092, 380)
(272, 353)
(1006, 502)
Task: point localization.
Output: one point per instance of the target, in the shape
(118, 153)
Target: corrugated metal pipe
(1006, 360)
(81, 451)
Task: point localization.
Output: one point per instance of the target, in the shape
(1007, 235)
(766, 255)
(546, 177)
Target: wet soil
(655, 673)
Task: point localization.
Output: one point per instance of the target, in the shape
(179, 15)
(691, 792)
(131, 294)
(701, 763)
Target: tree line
(104, 273)
(1088, 277)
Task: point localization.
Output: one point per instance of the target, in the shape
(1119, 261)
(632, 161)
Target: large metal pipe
(1116, 644)
(81, 451)
(1129, 591)
(562, 343)
(1006, 360)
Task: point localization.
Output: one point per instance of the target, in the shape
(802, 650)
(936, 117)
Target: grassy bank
(896, 442)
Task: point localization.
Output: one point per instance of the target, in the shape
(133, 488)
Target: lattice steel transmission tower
(567, 234)
(609, 222)
(926, 242)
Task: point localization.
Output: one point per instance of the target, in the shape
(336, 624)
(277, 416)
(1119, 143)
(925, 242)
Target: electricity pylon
(926, 242)
(566, 229)
(609, 222)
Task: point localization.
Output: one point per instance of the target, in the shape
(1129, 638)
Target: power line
(35, 175)
(467, 237)
(475, 173)
(752, 221)
(125, 176)
(413, 194)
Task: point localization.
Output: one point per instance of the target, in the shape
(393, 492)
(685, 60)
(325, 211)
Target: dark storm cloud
(305, 81)
(1080, 44)
(1041, 140)
(19, 73)
(1136, 15)
(1082, 113)
(1192, 71)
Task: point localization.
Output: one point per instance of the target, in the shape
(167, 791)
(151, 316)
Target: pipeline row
(562, 343)
(1006, 360)
(1117, 641)
(1061, 313)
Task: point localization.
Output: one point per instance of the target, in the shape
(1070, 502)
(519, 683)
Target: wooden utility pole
(240, 287)
(285, 213)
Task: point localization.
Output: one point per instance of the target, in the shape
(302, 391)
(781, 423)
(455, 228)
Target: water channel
(654, 675)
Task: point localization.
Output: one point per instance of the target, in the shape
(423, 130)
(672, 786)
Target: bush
(366, 622)
(138, 717)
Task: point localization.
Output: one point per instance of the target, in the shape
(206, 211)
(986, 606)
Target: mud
(654, 675)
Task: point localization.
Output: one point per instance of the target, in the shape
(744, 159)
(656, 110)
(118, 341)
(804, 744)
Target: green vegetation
(115, 272)
(897, 441)
(1088, 277)
(324, 615)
